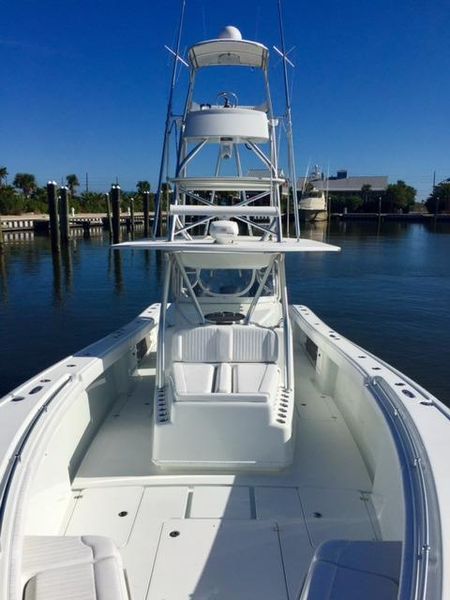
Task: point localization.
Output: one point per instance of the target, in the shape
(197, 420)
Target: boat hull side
(419, 428)
(46, 425)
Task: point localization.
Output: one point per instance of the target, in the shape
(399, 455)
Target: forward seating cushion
(193, 378)
(204, 363)
(69, 568)
(351, 570)
(256, 377)
(245, 382)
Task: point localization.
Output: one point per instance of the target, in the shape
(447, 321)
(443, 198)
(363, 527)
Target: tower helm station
(242, 124)
(229, 126)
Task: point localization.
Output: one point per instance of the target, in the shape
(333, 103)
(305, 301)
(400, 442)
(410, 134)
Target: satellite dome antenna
(230, 33)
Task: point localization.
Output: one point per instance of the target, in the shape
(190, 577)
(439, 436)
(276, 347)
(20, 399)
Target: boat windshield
(230, 282)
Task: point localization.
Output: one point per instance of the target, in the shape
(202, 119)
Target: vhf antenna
(176, 57)
(291, 156)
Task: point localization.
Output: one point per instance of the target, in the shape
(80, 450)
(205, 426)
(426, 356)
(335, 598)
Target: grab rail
(15, 456)
(419, 492)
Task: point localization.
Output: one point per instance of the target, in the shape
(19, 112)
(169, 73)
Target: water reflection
(316, 231)
(3, 279)
(115, 257)
(66, 255)
(57, 290)
(62, 273)
(365, 229)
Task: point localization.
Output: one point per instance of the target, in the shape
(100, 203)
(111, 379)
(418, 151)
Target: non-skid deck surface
(219, 541)
(222, 536)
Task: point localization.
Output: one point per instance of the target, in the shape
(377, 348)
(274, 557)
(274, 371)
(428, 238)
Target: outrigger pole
(291, 156)
(176, 56)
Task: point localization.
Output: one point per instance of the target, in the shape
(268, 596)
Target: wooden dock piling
(146, 203)
(52, 198)
(1, 236)
(115, 201)
(132, 223)
(109, 216)
(64, 215)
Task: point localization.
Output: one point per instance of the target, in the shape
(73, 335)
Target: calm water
(388, 290)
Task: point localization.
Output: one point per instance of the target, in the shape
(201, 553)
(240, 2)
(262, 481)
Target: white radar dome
(224, 232)
(230, 33)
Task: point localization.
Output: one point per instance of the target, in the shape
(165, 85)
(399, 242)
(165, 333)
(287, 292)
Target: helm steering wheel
(229, 99)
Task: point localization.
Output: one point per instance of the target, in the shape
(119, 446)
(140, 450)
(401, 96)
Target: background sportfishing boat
(224, 444)
(313, 205)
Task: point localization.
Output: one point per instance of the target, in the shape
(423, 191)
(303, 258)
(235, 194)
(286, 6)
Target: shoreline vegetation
(25, 196)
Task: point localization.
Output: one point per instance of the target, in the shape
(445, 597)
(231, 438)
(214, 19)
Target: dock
(21, 227)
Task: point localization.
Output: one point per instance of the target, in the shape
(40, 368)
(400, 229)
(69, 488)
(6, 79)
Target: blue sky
(85, 83)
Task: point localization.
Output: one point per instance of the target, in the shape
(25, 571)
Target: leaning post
(115, 202)
(146, 203)
(52, 198)
(64, 215)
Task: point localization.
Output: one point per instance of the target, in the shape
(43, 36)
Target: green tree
(11, 203)
(439, 199)
(338, 203)
(353, 203)
(72, 183)
(400, 196)
(25, 182)
(38, 201)
(3, 175)
(90, 202)
(143, 186)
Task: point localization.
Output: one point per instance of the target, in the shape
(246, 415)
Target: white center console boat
(224, 445)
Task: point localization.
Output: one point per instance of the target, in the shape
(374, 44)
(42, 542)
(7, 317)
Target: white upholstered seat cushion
(192, 379)
(69, 568)
(225, 343)
(354, 569)
(207, 344)
(223, 383)
(254, 344)
(251, 378)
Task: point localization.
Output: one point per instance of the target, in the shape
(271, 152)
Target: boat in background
(313, 205)
(224, 444)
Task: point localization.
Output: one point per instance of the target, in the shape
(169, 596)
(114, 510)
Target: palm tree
(26, 182)
(72, 183)
(143, 186)
(3, 174)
